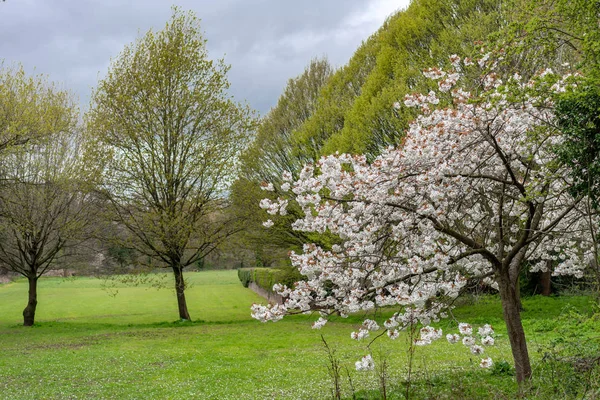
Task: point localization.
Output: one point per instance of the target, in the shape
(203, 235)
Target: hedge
(267, 277)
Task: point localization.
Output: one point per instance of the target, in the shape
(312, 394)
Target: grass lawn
(89, 344)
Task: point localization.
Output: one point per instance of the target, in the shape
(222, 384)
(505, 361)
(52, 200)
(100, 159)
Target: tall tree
(271, 153)
(163, 116)
(42, 201)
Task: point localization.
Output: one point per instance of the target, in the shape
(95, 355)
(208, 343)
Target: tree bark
(29, 311)
(179, 290)
(546, 283)
(512, 317)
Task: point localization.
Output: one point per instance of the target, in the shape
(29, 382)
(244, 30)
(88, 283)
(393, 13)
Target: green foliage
(570, 362)
(31, 108)
(245, 276)
(123, 256)
(502, 368)
(172, 134)
(355, 112)
(267, 277)
(578, 117)
(271, 153)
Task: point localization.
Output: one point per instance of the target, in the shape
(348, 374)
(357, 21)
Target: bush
(245, 276)
(267, 277)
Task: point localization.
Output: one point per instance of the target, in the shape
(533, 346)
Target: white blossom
(465, 329)
(365, 364)
(475, 349)
(487, 341)
(318, 324)
(393, 334)
(486, 363)
(267, 186)
(360, 335)
(413, 224)
(486, 330)
(452, 338)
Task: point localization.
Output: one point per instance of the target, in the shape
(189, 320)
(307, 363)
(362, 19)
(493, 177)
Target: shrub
(267, 277)
(245, 276)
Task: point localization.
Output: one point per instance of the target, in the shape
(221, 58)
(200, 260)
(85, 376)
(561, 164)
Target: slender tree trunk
(512, 316)
(179, 289)
(29, 311)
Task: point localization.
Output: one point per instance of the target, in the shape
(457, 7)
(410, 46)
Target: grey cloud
(265, 41)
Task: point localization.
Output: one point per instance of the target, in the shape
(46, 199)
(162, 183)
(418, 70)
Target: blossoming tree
(474, 192)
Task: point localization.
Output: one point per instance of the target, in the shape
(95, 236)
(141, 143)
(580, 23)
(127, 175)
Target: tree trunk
(29, 311)
(512, 316)
(179, 290)
(546, 283)
(517, 286)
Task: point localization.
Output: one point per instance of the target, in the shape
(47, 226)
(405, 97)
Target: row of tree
(147, 169)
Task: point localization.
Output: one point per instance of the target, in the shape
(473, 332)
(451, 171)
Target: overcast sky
(266, 42)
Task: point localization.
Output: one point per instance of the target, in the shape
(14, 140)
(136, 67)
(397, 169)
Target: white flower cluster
(486, 362)
(363, 332)
(428, 335)
(268, 313)
(365, 364)
(318, 324)
(465, 329)
(485, 333)
(274, 207)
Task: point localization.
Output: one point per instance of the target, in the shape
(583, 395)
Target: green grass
(89, 344)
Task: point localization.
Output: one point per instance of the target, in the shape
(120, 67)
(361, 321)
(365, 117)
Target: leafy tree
(30, 107)
(172, 135)
(44, 202)
(272, 153)
(578, 116)
(354, 112)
